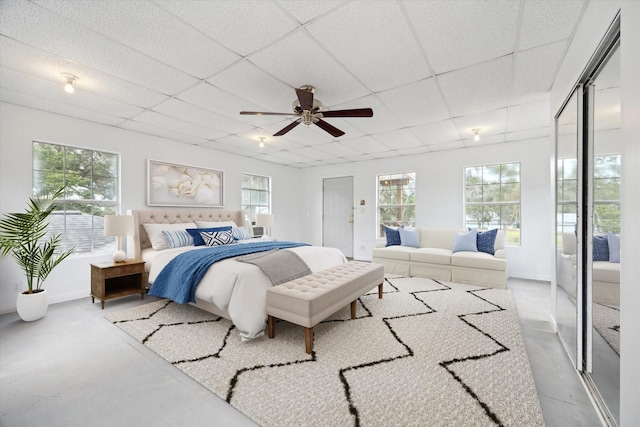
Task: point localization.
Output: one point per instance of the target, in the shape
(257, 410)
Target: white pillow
(157, 239)
(240, 233)
(212, 224)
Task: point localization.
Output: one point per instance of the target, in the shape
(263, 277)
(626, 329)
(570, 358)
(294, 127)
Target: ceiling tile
(290, 156)
(193, 114)
(488, 123)
(528, 134)
(342, 32)
(415, 150)
(365, 145)
(310, 65)
(338, 149)
(481, 87)
(535, 71)
(435, 133)
(312, 153)
(529, 116)
(383, 119)
(456, 34)
(38, 103)
(547, 21)
(231, 144)
(164, 133)
(177, 125)
(453, 145)
(484, 140)
(152, 30)
(63, 37)
(36, 62)
(416, 103)
(397, 139)
(308, 10)
(257, 24)
(385, 154)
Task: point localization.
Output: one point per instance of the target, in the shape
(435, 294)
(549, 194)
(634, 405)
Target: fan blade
(329, 128)
(306, 99)
(287, 128)
(264, 113)
(356, 112)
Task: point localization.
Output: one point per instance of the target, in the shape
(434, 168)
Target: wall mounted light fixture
(71, 81)
(476, 134)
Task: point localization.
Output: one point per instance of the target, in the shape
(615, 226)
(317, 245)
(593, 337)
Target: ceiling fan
(311, 112)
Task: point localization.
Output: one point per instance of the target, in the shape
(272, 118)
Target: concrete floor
(73, 368)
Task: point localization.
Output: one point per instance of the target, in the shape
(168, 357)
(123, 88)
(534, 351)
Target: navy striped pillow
(177, 238)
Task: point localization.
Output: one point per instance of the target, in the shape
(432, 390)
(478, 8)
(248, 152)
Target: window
(396, 201)
(567, 192)
(91, 181)
(256, 196)
(492, 199)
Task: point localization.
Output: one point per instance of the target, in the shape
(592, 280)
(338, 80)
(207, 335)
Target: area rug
(428, 353)
(606, 320)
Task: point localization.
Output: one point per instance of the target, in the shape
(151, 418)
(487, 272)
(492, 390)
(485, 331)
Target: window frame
(403, 207)
(98, 242)
(499, 202)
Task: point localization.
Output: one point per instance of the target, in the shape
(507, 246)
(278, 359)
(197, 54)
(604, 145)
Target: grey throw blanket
(279, 266)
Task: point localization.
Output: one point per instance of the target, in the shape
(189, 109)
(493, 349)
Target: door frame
(353, 190)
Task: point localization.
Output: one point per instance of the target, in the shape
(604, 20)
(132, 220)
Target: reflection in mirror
(566, 225)
(605, 263)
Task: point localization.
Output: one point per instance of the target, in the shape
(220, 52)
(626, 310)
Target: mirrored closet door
(588, 171)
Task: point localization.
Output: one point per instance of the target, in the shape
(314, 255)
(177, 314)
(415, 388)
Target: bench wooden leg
(271, 326)
(353, 309)
(308, 340)
(380, 290)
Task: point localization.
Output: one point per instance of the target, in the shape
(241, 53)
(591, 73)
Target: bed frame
(140, 240)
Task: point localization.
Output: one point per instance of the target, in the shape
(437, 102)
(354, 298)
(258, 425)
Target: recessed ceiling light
(71, 81)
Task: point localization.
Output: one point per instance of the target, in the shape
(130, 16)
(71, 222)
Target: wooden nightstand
(111, 280)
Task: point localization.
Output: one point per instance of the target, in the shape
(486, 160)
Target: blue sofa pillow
(486, 241)
(393, 236)
(614, 247)
(197, 238)
(600, 248)
(466, 241)
(409, 237)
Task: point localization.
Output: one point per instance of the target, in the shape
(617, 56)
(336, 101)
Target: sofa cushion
(478, 260)
(604, 271)
(466, 241)
(437, 238)
(432, 256)
(394, 252)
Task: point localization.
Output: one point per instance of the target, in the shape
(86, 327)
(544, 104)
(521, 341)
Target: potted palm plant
(24, 236)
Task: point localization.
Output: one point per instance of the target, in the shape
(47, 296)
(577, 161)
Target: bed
(231, 289)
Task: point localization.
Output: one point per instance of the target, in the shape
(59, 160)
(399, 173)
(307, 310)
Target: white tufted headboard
(140, 240)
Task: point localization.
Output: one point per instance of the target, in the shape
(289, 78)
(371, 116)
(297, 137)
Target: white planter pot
(32, 306)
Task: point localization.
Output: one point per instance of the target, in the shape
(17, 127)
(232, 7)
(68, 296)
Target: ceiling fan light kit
(311, 112)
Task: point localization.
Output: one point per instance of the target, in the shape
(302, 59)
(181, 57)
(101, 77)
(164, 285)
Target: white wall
(19, 126)
(440, 193)
(593, 26)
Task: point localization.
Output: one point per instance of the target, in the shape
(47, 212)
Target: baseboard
(52, 300)
(527, 276)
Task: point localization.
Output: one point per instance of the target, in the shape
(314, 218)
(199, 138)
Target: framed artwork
(170, 184)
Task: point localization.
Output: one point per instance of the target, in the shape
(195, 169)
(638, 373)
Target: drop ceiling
(183, 70)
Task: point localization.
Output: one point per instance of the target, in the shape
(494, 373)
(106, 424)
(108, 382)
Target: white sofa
(435, 259)
(605, 279)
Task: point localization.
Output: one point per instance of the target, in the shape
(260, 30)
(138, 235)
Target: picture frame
(178, 185)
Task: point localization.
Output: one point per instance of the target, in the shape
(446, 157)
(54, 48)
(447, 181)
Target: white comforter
(239, 287)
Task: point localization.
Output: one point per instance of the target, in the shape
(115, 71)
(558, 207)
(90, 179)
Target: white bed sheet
(241, 288)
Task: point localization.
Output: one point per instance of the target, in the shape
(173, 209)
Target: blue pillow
(486, 241)
(240, 233)
(217, 238)
(409, 237)
(614, 247)
(466, 241)
(600, 248)
(177, 238)
(393, 236)
(197, 238)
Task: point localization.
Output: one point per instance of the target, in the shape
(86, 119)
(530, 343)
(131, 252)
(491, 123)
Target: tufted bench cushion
(310, 299)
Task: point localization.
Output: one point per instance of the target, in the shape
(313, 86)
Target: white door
(337, 218)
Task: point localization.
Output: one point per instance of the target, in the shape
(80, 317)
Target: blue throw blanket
(178, 279)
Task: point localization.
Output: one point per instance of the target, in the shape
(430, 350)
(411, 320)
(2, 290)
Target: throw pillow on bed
(466, 241)
(177, 238)
(157, 239)
(486, 241)
(217, 238)
(240, 233)
(197, 238)
(393, 236)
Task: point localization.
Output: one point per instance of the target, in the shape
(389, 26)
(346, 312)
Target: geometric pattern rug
(428, 353)
(606, 320)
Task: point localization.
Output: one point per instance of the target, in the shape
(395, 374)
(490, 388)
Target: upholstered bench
(310, 299)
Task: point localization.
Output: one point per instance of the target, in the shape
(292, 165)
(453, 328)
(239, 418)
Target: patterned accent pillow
(393, 236)
(240, 233)
(600, 248)
(486, 241)
(177, 238)
(197, 238)
(217, 238)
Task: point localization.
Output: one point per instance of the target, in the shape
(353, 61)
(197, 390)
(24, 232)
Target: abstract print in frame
(170, 184)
